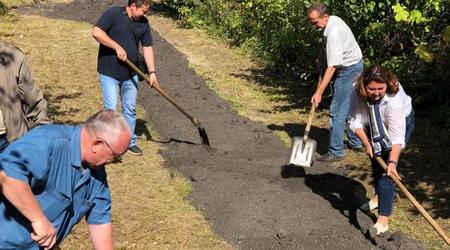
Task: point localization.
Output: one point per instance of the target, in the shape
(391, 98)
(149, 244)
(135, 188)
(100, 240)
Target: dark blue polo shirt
(48, 158)
(127, 33)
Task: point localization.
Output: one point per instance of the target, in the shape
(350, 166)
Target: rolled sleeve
(355, 113)
(396, 126)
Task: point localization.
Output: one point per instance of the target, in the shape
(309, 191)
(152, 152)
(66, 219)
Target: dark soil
(243, 187)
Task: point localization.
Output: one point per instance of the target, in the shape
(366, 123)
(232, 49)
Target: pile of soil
(243, 186)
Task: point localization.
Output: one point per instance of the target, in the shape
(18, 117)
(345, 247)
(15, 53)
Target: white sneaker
(369, 206)
(381, 228)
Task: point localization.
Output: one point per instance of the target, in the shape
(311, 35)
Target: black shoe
(329, 158)
(135, 150)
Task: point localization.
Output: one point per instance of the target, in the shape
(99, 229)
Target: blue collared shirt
(48, 158)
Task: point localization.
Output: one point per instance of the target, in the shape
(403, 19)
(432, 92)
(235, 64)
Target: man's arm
(33, 103)
(150, 61)
(317, 97)
(104, 39)
(19, 194)
(101, 236)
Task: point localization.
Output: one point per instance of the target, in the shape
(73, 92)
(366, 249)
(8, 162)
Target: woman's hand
(392, 170)
(369, 150)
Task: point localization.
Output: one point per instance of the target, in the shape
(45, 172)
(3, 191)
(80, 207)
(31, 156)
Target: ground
(243, 186)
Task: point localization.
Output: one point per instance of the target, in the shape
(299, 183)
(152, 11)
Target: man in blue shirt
(53, 176)
(119, 32)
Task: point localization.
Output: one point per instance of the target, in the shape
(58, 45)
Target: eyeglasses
(117, 157)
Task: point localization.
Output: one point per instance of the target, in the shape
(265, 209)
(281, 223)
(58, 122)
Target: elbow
(95, 33)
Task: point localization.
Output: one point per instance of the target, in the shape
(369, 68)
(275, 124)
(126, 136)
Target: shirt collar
(331, 22)
(75, 147)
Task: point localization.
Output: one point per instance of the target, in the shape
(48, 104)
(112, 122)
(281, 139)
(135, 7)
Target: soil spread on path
(243, 187)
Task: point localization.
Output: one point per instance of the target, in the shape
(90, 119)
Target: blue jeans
(384, 186)
(343, 86)
(128, 93)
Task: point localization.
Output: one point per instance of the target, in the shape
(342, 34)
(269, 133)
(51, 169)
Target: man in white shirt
(344, 59)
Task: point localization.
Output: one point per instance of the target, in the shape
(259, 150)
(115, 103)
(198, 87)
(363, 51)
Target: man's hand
(316, 98)
(44, 233)
(121, 54)
(153, 80)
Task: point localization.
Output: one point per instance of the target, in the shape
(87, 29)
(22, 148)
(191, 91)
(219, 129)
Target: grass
(150, 209)
(283, 106)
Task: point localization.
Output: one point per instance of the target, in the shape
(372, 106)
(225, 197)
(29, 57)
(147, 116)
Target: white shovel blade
(303, 156)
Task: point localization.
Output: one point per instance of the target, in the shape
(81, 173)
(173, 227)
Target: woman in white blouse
(382, 117)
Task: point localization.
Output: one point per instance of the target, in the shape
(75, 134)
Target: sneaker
(380, 228)
(329, 158)
(369, 206)
(135, 150)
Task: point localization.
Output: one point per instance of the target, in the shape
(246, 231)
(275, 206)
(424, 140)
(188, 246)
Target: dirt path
(243, 188)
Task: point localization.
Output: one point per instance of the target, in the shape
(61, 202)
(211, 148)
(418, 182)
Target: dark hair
(139, 3)
(319, 7)
(378, 74)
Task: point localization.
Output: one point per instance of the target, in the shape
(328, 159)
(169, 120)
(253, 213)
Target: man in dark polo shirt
(119, 32)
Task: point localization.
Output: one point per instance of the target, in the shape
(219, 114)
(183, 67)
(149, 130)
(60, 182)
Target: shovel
(416, 204)
(303, 150)
(194, 120)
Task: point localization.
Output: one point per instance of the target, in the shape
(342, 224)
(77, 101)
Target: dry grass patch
(236, 78)
(149, 205)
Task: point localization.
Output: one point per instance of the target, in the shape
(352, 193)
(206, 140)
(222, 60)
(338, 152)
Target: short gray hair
(319, 7)
(107, 123)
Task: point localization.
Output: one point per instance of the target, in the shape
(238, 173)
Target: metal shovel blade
(303, 155)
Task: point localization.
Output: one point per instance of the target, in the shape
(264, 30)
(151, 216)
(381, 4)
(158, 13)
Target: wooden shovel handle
(311, 116)
(195, 121)
(416, 204)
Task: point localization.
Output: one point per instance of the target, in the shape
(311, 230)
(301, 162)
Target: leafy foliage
(410, 37)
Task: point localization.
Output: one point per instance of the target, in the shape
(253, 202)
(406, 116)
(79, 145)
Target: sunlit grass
(149, 206)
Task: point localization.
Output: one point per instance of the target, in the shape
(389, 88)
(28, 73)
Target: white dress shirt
(393, 108)
(341, 47)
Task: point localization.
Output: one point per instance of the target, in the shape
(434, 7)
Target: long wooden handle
(195, 121)
(416, 204)
(311, 116)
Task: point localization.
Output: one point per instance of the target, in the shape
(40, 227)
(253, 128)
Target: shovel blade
(303, 155)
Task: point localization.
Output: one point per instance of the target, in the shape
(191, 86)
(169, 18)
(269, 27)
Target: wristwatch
(395, 163)
(151, 72)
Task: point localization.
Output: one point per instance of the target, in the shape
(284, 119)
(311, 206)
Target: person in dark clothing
(119, 32)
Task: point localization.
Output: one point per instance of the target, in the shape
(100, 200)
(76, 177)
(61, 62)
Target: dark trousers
(384, 186)
(3, 142)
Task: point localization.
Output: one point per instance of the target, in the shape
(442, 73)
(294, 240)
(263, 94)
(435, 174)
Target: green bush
(411, 38)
